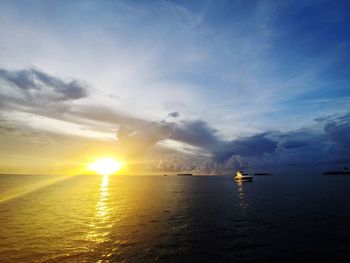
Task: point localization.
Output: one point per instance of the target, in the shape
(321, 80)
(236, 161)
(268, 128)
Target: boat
(243, 176)
(188, 174)
(345, 171)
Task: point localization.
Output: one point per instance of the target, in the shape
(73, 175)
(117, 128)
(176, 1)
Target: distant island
(185, 174)
(345, 171)
(337, 173)
(262, 174)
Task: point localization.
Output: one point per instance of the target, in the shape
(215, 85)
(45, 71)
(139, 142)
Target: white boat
(243, 176)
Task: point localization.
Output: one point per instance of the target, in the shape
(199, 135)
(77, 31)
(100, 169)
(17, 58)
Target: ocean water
(174, 219)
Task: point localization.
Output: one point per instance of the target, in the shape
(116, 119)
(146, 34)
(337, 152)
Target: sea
(91, 218)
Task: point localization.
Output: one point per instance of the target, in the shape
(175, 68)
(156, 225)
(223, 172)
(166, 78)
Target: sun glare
(105, 166)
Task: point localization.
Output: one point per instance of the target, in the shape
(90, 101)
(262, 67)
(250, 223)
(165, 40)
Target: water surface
(172, 219)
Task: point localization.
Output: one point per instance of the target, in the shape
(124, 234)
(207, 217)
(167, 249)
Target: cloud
(32, 86)
(174, 114)
(293, 144)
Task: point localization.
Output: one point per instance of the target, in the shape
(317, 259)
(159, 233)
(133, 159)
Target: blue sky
(232, 70)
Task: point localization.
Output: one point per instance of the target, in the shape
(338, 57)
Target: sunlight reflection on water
(101, 226)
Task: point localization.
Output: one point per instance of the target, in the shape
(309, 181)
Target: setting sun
(105, 166)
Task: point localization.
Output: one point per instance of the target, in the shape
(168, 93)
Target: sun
(105, 166)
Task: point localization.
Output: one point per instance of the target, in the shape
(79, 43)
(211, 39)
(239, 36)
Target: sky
(203, 86)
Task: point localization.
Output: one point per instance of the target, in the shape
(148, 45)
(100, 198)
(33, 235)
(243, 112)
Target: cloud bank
(325, 142)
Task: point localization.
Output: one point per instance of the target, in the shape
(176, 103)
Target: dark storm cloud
(307, 147)
(32, 86)
(199, 134)
(310, 147)
(255, 145)
(196, 133)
